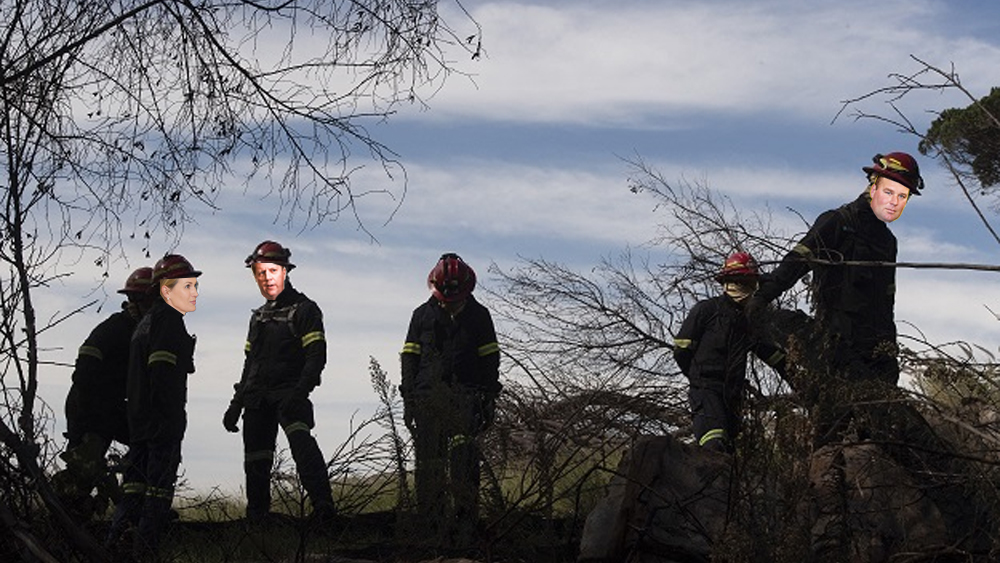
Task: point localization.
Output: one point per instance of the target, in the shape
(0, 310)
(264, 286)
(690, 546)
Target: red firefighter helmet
(139, 281)
(173, 266)
(897, 166)
(271, 253)
(738, 265)
(451, 279)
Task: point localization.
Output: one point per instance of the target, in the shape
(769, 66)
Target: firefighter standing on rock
(711, 350)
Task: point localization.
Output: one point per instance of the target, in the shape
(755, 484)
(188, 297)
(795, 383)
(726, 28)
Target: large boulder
(670, 504)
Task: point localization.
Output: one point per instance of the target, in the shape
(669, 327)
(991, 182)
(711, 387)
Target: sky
(524, 157)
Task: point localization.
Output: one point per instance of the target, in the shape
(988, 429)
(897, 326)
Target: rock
(670, 504)
(671, 500)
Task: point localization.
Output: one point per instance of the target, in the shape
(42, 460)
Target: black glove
(487, 410)
(755, 310)
(408, 418)
(232, 416)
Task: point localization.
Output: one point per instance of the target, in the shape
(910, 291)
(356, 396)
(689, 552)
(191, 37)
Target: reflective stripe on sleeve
(92, 351)
(802, 250)
(411, 348)
(163, 356)
(315, 336)
(487, 349)
(684, 343)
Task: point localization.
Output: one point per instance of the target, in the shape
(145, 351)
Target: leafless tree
(590, 352)
(945, 147)
(119, 118)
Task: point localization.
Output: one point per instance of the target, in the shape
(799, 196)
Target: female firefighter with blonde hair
(161, 358)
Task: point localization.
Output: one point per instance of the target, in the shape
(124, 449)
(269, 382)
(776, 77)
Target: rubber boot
(152, 523)
(126, 515)
(258, 475)
(311, 467)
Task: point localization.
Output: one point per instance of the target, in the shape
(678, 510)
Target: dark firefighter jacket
(285, 349)
(854, 302)
(96, 399)
(712, 345)
(162, 357)
(459, 351)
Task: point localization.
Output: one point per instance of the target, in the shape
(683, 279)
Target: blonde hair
(167, 283)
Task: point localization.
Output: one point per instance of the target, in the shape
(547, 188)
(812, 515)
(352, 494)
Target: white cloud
(505, 200)
(575, 62)
(624, 63)
(948, 306)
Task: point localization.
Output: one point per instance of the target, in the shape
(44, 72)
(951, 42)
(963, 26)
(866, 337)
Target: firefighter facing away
(711, 350)
(161, 357)
(285, 355)
(96, 414)
(450, 381)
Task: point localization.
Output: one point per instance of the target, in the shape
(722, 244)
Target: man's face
(889, 198)
(270, 279)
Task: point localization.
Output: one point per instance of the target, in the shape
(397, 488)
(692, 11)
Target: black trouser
(715, 417)
(86, 469)
(150, 476)
(89, 436)
(260, 434)
(447, 456)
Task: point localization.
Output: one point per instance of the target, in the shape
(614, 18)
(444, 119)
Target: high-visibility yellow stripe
(411, 348)
(92, 351)
(260, 455)
(157, 492)
(315, 336)
(459, 439)
(487, 349)
(802, 250)
(246, 346)
(133, 488)
(775, 358)
(162, 356)
(683, 343)
(296, 427)
(713, 434)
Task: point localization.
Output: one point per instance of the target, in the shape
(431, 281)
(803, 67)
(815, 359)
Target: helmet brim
(914, 189)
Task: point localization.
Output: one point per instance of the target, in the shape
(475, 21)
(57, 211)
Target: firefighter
(285, 355)
(852, 337)
(162, 356)
(450, 381)
(711, 350)
(854, 305)
(851, 368)
(95, 405)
